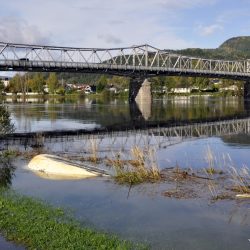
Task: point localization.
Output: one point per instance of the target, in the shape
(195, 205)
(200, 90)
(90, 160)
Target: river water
(143, 213)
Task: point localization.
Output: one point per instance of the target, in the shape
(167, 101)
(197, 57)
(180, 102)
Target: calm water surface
(118, 114)
(143, 213)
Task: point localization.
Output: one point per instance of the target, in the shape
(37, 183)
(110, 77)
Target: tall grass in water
(93, 150)
(142, 167)
(239, 177)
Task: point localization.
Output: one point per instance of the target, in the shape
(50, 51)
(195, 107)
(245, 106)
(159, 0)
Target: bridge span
(136, 62)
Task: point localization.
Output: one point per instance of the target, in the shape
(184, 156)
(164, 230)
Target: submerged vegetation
(141, 168)
(39, 226)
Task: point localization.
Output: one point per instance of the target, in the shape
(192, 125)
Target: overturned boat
(55, 167)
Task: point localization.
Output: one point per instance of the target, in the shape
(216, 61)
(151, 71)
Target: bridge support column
(140, 95)
(139, 90)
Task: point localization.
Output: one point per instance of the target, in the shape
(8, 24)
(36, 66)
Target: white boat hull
(54, 167)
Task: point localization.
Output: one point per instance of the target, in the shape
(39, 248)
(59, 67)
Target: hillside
(233, 48)
(240, 44)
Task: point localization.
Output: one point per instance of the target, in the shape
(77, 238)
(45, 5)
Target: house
(80, 87)
(181, 90)
(5, 80)
(229, 88)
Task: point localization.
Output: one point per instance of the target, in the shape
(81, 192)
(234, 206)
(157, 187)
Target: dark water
(6, 245)
(143, 213)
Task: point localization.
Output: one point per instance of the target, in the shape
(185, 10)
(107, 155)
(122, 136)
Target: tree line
(56, 82)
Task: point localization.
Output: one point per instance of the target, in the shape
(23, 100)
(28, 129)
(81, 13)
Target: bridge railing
(135, 58)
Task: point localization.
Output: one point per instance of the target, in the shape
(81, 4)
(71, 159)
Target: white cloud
(19, 31)
(98, 23)
(183, 4)
(210, 29)
(110, 39)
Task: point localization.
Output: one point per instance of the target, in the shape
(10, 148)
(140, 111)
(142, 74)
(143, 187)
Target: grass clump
(212, 171)
(141, 168)
(39, 226)
(241, 179)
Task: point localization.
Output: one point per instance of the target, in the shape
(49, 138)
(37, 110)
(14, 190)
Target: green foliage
(234, 48)
(6, 126)
(61, 91)
(52, 82)
(141, 169)
(6, 168)
(1, 86)
(102, 83)
(37, 83)
(17, 84)
(119, 82)
(240, 44)
(39, 226)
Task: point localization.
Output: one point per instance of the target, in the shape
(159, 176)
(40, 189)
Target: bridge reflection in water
(122, 140)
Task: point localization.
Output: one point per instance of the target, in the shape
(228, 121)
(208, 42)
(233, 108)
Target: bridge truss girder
(140, 61)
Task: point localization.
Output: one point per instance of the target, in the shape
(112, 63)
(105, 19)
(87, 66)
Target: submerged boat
(55, 167)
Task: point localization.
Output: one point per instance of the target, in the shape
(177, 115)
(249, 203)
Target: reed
(93, 150)
(239, 178)
(142, 167)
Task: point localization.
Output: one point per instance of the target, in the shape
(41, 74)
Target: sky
(165, 24)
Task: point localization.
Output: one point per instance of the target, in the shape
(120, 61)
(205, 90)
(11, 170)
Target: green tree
(5, 122)
(159, 83)
(17, 84)
(1, 86)
(119, 82)
(171, 82)
(102, 83)
(52, 83)
(37, 83)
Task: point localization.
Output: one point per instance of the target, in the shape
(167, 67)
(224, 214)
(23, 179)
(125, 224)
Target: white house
(5, 80)
(181, 90)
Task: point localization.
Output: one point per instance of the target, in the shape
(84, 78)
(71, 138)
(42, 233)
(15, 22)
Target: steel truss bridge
(135, 61)
(122, 140)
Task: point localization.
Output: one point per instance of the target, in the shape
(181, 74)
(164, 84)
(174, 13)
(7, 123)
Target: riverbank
(39, 226)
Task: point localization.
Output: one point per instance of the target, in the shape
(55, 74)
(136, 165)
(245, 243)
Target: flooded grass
(141, 168)
(40, 226)
(212, 171)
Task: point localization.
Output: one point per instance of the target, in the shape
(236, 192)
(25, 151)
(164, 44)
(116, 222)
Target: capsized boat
(55, 167)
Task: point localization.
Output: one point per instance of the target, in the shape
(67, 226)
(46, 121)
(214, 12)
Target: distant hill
(233, 48)
(237, 44)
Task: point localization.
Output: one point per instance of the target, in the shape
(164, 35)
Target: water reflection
(6, 171)
(119, 114)
(239, 140)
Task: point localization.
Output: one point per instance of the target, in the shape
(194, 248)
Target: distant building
(230, 88)
(5, 80)
(181, 90)
(80, 87)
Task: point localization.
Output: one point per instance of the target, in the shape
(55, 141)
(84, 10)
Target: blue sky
(166, 24)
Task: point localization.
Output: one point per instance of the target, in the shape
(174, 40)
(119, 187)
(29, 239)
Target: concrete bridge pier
(139, 90)
(140, 95)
